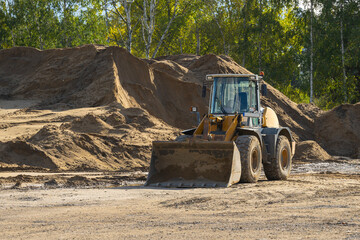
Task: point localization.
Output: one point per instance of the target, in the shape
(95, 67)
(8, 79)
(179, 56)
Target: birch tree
(197, 31)
(106, 20)
(221, 32)
(8, 5)
(311, 50)
(260, 35)
(245, 32)
(126, 19)
(175, 14)
(148, 24)
(343, 50)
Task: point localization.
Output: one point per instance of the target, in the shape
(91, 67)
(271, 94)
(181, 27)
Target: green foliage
(295, 94)
(52, 23)
(269, 36)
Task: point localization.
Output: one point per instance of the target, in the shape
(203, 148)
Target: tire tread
(244, 143)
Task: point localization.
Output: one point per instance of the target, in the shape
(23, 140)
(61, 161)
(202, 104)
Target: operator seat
(228, 107)
(243, 102)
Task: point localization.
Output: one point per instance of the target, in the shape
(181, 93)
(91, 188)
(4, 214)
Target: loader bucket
(194, 164)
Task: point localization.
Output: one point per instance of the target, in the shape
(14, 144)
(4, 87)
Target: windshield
(231, 95)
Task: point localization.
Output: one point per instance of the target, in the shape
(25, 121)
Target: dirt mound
(24, 154)
(299, 118)
(311, 110)
(338, 130)
(145, 100)
(290, 115)
(69, 76)
(194, 68)
(93, 76)
(119, 139)
(139, 118)
(90, 124)
(310, 151)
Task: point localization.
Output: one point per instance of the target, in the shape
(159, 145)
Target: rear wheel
(250, 153)
(280, 167)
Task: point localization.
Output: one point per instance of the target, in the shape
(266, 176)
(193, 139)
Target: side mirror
(203, 94)
(264, 90)
(195, 110)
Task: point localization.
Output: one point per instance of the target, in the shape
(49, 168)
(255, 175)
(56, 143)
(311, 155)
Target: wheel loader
(231, 143)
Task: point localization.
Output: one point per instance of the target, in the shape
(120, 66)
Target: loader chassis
(230, 144)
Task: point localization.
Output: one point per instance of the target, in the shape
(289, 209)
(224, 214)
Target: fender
(251, 131)
(270, 137)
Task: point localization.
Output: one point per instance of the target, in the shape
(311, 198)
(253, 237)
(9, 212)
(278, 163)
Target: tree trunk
(8, 12)
(41, 46)
(343, 58)
(13, 37)
(244, 35)
(260, 36)
(180, 45)
(127, 7)
(106, 20)
(259, 56)
(311, 50)
(221, 31)
(197, 39)
(148, 28)
(175, 14)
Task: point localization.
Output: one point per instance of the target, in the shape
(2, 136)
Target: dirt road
(308, 206)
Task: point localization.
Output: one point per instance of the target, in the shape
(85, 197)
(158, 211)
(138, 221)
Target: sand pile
(310, 151)
(94, 76)
(112, 141)
(145, 100)
(338, 130)
(299, 118)
(192, 68)
(291, 114)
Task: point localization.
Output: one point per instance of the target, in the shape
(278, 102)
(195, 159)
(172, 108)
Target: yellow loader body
(236, 124)
(200, 161)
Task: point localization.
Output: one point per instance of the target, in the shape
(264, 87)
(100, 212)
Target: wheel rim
(284, 158)
(254, 160)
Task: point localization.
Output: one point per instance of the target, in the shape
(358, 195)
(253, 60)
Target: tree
(122, 9)
(311, 51)
(148, 24)
(342, 48)
(172, 16)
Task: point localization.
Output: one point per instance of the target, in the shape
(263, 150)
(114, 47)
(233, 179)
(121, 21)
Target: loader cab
(233, 94)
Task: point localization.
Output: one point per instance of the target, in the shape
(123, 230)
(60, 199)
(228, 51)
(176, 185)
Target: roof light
(209, 78)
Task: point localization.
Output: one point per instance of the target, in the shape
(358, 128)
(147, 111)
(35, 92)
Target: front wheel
(250, 153)
(279, 168)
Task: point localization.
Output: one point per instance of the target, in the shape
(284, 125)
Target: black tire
(182, 138)
(250, 153)
(280, 167)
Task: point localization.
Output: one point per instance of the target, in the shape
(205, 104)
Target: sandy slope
(103, 138)
(99, 108)
(318, 206)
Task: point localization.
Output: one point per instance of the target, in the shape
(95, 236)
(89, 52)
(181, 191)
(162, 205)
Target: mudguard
(270, 137)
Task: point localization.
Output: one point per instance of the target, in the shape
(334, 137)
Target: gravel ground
(307, 206)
